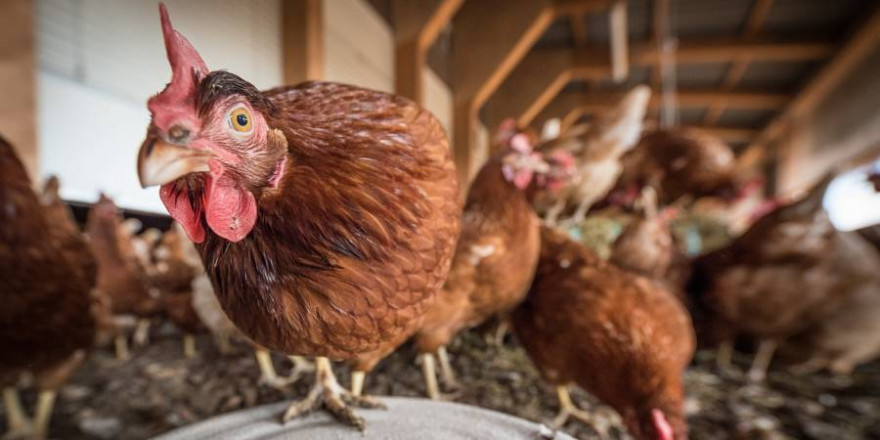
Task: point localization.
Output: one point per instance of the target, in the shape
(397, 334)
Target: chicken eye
(240, 120)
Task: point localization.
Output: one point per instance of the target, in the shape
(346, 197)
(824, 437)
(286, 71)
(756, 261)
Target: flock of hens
(324, 220)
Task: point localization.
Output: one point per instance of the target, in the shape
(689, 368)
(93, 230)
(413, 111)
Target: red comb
(186, 68)
(661, 425)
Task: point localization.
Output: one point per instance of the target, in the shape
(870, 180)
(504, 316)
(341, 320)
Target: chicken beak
(160, 162)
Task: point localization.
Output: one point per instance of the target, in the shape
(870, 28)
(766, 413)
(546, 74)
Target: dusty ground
(157, 391)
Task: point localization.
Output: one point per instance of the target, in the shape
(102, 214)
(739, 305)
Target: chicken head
(208, 145)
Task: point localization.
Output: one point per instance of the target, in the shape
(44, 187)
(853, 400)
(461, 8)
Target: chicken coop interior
(440, 219)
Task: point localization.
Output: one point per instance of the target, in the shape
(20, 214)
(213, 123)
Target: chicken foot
(120, 344)
(568, 409)
(447, 374)
(327, 393)
(429, 371)
(268, 375)
(724, 356)
(17, 423)
(762, 360)
(141, 333)
(189, 346)
(43, 415)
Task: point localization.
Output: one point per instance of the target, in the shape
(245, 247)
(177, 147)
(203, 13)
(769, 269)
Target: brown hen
(494, 260)
(121, 278)
(46, 321)
(790, 271)
(325, 214)
(623, 338)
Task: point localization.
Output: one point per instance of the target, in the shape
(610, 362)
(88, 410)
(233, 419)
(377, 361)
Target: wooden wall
(18, 75)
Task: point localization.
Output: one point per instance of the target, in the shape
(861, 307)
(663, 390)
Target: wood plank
(721, 51)
(18, 70)
(619, 41)
(505, 34)
(302, 40)
(754, 22)
(417, 25)
(593, 102)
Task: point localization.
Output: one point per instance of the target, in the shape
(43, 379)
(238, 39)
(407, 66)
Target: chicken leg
(761, 363)
(554, 212)
(446, 371)
(724, 356)
(17, 423)
(327, 393)
(45, 404)
(568, 409)
(189, 346)
(120, 343)
(142, 333)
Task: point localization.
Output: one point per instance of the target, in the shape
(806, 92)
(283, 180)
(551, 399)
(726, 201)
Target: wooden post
(417, 25)
(18, 71)
(302, 40)
(490, 38)
(619, 41)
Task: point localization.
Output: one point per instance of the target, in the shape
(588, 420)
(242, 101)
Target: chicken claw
(761, 363)
(429, 371)
(337, 400)
(568, 409)
(446, 371)
(17, 421)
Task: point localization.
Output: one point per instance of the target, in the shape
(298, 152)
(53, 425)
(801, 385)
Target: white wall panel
(101, 59)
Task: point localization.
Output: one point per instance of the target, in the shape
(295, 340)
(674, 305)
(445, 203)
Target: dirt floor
(157, 390)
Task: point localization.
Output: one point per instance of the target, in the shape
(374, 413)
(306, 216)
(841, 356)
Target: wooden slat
(721, 51)
(757, 16)
(18, 72)
(302, 40)
(619, 41)
(417, 25)
(488, 42)
(593, 102)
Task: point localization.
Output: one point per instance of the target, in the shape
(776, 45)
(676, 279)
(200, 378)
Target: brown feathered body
(680, 162)
(349, 249)
(121, 278)
(494, 260)
(624, 338)
(46, 322)
(791, 270)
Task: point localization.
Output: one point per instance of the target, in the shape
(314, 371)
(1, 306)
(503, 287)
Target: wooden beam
(417, 25)
(754, 22)
(659, 17)
(619, 41)
(18, 71)
(488, 42)
(538, 78)
(533, 85)
(594, 102)
(859, 46)
(722, 51)
(302, 40)
(580, 7)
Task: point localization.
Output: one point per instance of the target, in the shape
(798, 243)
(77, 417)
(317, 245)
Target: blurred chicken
(678, 163)
(792, 270)
(173, 276)
(121, 278)
(141, 245)
(47, 324)
(494, 260)
(597, 150)
(624, 338)
(647, 246)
